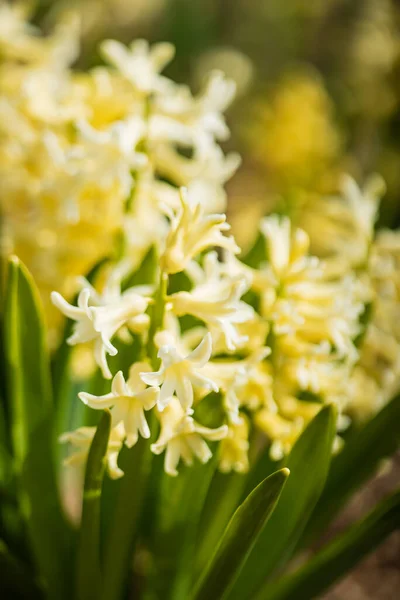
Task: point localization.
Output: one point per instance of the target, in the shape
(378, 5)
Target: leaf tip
(14, 260)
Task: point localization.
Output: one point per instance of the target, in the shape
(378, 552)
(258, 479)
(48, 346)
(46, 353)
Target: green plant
(158, 518)
(210, 414)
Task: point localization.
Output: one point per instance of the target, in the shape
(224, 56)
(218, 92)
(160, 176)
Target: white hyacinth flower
(178, 374)
(284, 246)
(363, 203)
(141, 64)
(81, 440)
(127, 400)
(182, 437)
(216, 301)
(204, 112)
(99, 324)
(109, 155)
(208, 163)
(192, 232)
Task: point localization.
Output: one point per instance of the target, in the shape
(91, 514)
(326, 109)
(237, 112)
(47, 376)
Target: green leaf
(308, 463)
(341, 555)
(26, 357)
(88, 572)
(224, 496)
(240, 537)
(173, 548)
(222, 500)
(11, 525)
(32, 421)
(227, 490)
(124, 520)
(356, 463)
(16, 581)
(5, 454)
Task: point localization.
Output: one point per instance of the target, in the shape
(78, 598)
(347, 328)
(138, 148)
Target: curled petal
(201, 355)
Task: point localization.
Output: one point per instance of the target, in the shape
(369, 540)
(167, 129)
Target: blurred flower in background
(317, 95)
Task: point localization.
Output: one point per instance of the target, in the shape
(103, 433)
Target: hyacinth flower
(216, 301)
(100, 323)
(192, 232)
(179, 374)
(81, 440)
(218, 374)
(127, 400)
(182, 438)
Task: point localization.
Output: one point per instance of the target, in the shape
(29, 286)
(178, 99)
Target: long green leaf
(88, 583)
(5, 453)
(16, 581)
(356, 463)
(124, 525)
(339, 557)
(32, 422)
(173, 547)
(223, 498)
(239, 537)
(308, 463)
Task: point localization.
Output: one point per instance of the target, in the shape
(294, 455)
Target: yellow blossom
(182, 438)
(81, 439)
(233, 453)
(192, 232)
(98, 319)
(216, 301)
(127, 400)
(178, 374)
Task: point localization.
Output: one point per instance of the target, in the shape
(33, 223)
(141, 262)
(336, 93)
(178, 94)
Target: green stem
(157, 319)
(88, 574)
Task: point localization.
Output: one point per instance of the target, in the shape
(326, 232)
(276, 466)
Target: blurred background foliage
(318, 86)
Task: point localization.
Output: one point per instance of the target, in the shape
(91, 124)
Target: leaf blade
(32, 421)
(173, 536)
(341, 555)
(223, 498)
(355, 464)
(295, 506)
(240, 536)
(123, 530)
(88, 572)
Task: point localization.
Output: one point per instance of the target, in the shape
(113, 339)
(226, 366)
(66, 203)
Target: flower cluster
(260, 348)
(91, 158)
(122, 162)
(349, 245)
